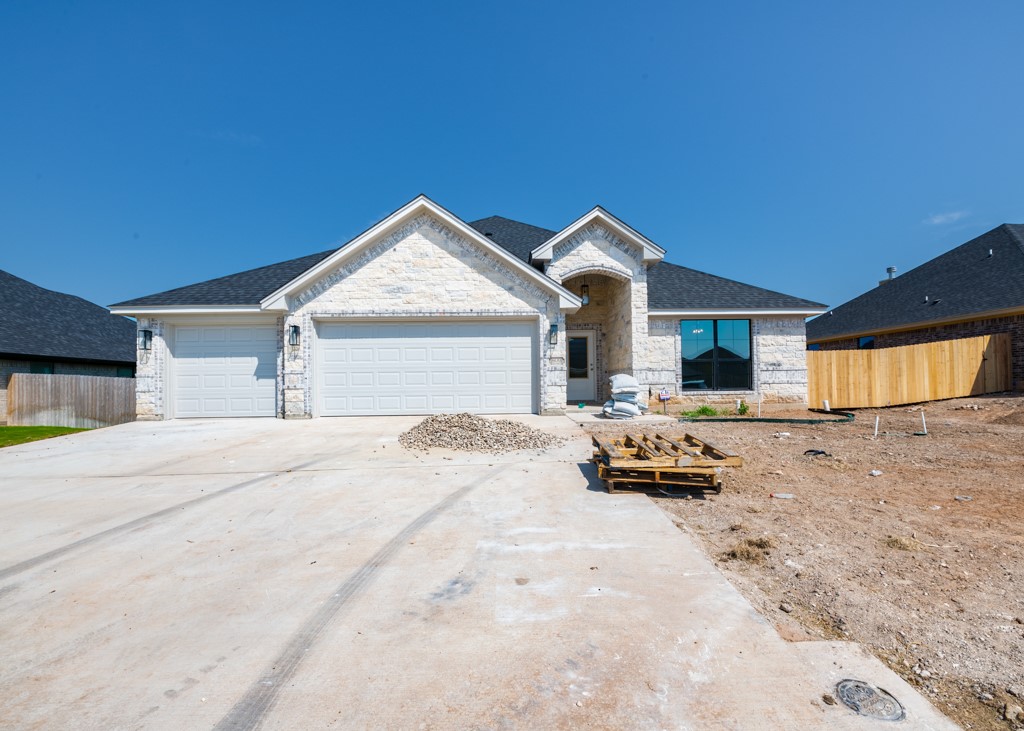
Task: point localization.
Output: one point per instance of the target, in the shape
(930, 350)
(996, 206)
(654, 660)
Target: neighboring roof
(518, 239)
(673, 287)
(244, 288)
(41, 323)
(958, 284)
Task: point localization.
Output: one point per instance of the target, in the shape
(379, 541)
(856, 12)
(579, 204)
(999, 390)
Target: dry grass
(901, 543)
(754, 550)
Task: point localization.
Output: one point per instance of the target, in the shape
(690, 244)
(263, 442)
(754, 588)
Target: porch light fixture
(294, 335)
(585, 294)
(553, 336)
(145, 339)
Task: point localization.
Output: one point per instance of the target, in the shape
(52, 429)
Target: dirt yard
(923, 563)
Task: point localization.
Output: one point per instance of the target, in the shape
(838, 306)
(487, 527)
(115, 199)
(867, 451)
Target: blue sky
(799, 146)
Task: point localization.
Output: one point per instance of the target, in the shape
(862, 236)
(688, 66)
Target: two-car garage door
(425, 368)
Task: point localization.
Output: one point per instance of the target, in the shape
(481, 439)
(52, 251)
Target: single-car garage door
(425, 368)
(228, 370)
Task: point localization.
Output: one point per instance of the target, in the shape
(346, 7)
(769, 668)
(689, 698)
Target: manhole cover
(867, 700)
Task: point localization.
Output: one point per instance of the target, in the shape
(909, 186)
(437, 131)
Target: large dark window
(716, 355)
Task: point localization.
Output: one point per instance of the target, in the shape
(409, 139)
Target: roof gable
(278, 300)
(41, 323)
(597, 215)
(964, 281)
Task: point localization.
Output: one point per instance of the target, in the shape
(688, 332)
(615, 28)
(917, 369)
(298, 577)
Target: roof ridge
(1015, 234)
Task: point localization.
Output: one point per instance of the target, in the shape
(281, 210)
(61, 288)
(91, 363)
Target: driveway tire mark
(248, 713)
(131, 525)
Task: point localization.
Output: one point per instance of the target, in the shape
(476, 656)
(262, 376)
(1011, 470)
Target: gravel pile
(468, 433)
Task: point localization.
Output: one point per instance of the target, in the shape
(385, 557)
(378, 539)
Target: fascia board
(278, 300)
(808, 312)
(184, 310)
(652, 252)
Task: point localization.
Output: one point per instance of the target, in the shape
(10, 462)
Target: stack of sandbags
(626, 401)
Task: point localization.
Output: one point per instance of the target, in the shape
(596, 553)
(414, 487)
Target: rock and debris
(469, 433)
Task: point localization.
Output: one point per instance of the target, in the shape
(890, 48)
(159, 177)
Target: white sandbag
(611, 413)
(623, 383)
(623, 407)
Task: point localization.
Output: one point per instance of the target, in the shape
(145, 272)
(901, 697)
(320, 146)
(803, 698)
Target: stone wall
(779, 355)
(10, 367)
(1012, 324)
(617, 268)
(424, 269)
(151, 372)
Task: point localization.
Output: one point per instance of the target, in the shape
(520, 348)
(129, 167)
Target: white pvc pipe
(876, 427)
(924, 424)
(826, 405)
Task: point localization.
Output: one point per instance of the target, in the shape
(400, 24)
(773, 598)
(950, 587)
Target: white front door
(580, 360)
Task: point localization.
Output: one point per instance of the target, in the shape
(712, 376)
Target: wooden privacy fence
(36, 399)
(909, 374)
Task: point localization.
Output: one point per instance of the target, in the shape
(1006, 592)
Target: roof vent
(890, 271)
(990, 253)
(926, 299)
(489, 235)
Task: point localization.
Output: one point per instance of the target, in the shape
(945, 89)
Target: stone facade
(9, 367)
(424, 270)
(1012, 324)
(618, 270)
(151, 372)
(779, 362)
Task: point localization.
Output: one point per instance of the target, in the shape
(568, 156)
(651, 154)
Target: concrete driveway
(241, 574)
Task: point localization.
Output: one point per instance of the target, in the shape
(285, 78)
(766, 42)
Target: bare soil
(922, 564)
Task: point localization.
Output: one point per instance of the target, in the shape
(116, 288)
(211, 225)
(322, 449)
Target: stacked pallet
(659, 463)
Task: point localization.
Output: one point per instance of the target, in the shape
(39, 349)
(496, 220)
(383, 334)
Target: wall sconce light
(553, 336)
(294, 335)
(145, 339)
(585, 294)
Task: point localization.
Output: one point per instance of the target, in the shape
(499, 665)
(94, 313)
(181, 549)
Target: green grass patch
(11, 435)
(705, 410)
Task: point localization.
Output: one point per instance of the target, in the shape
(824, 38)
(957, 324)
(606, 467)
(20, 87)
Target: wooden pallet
(659, 463)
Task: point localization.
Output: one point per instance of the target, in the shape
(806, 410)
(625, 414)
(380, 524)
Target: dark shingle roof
(245, 288)
(46, 324)
(519, 239)
(958, 284)
(673, 287)
(669, 286)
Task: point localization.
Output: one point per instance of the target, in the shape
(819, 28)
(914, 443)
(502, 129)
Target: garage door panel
(225, 371)
(425, 367)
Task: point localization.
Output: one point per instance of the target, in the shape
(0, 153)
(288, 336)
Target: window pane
(734, 338)
(734, 374)
(40, 368)
(698, 375)
(577, 357)
(698, 338)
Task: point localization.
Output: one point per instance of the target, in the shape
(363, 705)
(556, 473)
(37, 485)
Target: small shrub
(744, 408)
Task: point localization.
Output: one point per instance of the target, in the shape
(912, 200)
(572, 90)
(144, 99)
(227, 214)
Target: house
(425, 313)
(975, 289)
(42, 331)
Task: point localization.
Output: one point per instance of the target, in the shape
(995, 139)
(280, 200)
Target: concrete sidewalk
(289, 575)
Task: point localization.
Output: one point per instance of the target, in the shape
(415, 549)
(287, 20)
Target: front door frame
(582, 389)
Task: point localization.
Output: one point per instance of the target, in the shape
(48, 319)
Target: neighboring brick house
(42, 331)
(975, 289)
(425, 313)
